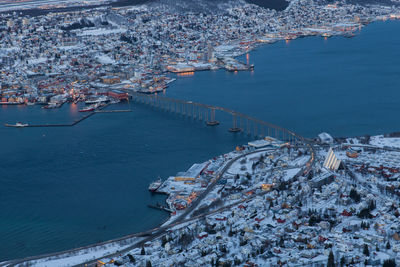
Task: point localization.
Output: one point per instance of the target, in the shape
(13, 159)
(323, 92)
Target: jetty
(112, 111)
(160, 207)
(56, 124)
(100, 110)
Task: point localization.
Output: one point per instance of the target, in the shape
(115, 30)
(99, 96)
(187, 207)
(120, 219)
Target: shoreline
(128, 242)
(120, 242)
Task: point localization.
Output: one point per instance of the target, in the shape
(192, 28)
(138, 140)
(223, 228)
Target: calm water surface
(66, 187)
(339, 85)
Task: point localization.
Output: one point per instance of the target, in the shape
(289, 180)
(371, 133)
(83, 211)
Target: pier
(100, 110)
(160, 207)
(56, 124)
(112, 111)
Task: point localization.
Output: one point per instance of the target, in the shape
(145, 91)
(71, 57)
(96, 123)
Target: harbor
(139, 133)
(54, 78)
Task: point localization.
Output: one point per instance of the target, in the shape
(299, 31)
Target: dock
(69, 124)
(159, 207)
(56, 125)
(112, 111)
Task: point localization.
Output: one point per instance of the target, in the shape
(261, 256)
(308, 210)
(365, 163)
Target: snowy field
(382, 141)
(97, 32)
(74, 258)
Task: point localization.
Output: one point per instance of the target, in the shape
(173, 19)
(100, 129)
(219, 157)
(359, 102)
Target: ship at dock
(102, 99)
(155, 185)
(92, 107)
(17, 125)
(52, 105)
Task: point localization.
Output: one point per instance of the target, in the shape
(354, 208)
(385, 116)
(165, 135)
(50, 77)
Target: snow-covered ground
(104, 59)
(381, 141)
(16, 5)
(83, 255)
(96, 32)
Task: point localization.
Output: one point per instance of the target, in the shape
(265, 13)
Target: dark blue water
(66, 187)
(343, 86)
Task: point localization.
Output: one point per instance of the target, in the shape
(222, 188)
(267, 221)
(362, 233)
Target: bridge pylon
(213, 121)
(235, 127)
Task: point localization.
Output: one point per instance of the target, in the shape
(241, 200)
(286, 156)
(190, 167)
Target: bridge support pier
(234, 128)
(212, 122)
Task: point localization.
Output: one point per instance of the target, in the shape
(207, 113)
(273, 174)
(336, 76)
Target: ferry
(89, 108)
(97, 100)
(17, 125)
(155, 185)
(52, 105)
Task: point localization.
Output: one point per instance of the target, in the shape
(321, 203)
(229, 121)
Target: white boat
(168, 81)
(17, 125)
(89, 108)
(115, 101)
(97, 100)
(52, 105)
(155, 185)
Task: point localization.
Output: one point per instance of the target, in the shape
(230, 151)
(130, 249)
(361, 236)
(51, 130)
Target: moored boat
(101, 99)
(88, 108)
(52, 105)
(17, 125)
(155, 185)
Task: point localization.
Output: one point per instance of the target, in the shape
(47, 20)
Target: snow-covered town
(276, 215)
(319, 201)
(328, 201)
(73, 56)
